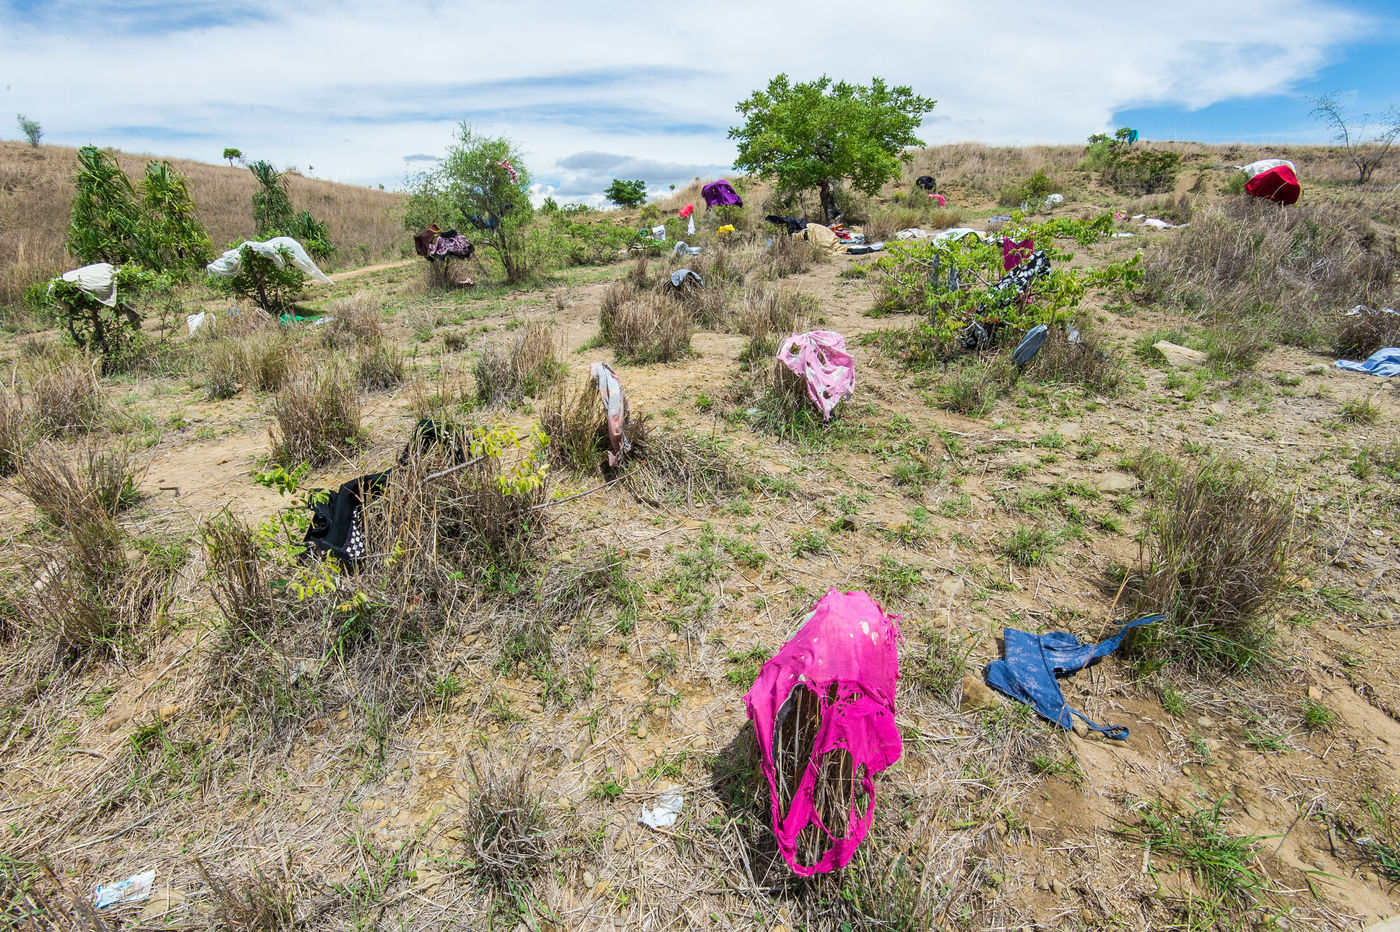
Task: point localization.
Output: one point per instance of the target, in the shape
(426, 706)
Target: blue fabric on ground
(1384, 363)
(1033, 662)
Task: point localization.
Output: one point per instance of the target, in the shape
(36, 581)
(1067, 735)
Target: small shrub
(767, 310)
(1028, 546)
(1237, 347)
(1358, 411)
(575, 423)
(379, 367)
(274, 287)
(317, 420)
(975, 385)
(66, 397)
(267, 360)
(1087, 363)
(530, 365)
(1218, 541)
(649, 328)
(112, 334)
(258, 902)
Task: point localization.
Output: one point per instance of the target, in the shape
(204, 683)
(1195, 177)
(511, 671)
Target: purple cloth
(719, 193)
(456, 246)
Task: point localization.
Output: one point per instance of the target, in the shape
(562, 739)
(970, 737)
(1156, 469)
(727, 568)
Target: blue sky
(360, 91)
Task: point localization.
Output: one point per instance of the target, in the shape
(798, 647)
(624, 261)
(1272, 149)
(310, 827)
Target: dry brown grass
(365, 224)
(65, 396)
(767, 310)
(14, 427)
(1357, 336)
(380, 366)
(1090, 362)
(507, 375)
(267, 360)
(356, 320)
(317, 419)
(508, 835)
(103, 479)
(651, 327)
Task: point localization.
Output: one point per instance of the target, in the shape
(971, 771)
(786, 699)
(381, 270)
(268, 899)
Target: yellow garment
(725, 230)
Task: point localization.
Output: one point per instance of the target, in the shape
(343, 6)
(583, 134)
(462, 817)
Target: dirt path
(366, 269)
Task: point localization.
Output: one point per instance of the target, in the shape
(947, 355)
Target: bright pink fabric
(1277, 184)
(687, 210)
(1013, 253)
(942, 201)
(820, 358)
(848, 641)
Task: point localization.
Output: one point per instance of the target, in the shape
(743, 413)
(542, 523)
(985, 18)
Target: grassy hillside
(36, 187)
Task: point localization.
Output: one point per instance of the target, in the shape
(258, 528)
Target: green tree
(274, 287)
(481, 182)
(231, 154)
(626, 193)
(106, 224)
(272, 207)
(31, 129)
(172, 236)
(815, 134)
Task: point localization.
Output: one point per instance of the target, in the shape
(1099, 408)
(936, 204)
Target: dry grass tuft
(356, 320)
(65, 397)
(676, 467)
(576, 424)
(317, 420)
(267, 361)
(790, 255)
(14, 428)
(1219, 542)
(225, 363)
(773, 311)
(1088, 363)
(882, 226)
(257, 902)
(103, 481)
(507, 834)
(380, 366)
(505, 377)
(652, 327)
(1357, 336)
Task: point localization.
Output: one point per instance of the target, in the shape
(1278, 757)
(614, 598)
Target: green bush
(1141, 171)
(1035, 188)
(112, 333)
(261, 279)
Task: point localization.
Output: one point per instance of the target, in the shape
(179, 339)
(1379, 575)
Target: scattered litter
(725, 230)
(1034, 340)
(1273, 180)
(1137, 216)
(682, 277)
(1120, 215)
(658, 233)
(434, 243)
(1014, 252)
(999, 218)
(1361, 309)
(791, 224)
(939, 199)
(822, 236)
(926, 182)
(1384, 363)
(828, 693)
(820, 359)
(912, 233)
(681, 249)
(1033, 662)
(1122, 235)
(665, 812)
(195, 321)
(133, 889)
(1156, 224)
(280, 249)
(956, 233)
(1054, 199)
(861, 249)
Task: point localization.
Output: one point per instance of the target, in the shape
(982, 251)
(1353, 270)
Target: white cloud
(351, 87)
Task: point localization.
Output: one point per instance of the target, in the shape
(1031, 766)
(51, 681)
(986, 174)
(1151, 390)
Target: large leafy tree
(815, 134)
(480, 184)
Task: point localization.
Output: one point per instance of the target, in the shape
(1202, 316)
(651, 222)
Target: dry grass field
(36, 186)
(462, 733)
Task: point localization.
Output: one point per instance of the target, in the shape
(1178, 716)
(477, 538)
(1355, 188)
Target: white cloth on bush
(1263, 165)
(96, 280)
(227, 265)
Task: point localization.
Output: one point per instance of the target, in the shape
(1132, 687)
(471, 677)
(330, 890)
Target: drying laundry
(1030, 669)
(1384, 363)
(280, 249)
(721, 193)
(820, 359)
(837, 677)
(615, 407)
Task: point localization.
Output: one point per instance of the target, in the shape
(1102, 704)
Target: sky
(367, 92)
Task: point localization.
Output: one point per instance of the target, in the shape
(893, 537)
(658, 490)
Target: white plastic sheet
(96, 280)
(227, 265)
(133, 889)
(665, 811)
(1263, 165)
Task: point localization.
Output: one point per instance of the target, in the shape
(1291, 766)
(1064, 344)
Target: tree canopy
(817, 133)
(626, 193)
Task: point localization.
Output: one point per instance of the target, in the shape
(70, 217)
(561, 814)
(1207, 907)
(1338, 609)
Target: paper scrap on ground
(665, 812)
(133, 889)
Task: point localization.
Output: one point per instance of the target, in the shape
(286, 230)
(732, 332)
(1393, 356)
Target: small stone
(641, 731)
(1386, 614)
(1057, 887)
(536, 707)
(1205, 721)
(952, 586)
(1080, 729)
(1254, 812)
(588, 879)
(978, 696)
(167, 712)
(672, 637)
(1115, 482)
(1070, 430)
(1314, 694)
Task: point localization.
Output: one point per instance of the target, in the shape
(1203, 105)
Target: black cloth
(792, 224)
(1024, 275)
(926, 182)
(337, 518)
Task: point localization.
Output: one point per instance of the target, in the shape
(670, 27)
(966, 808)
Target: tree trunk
(830, 208)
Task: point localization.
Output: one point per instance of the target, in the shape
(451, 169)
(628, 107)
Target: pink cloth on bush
(850, 642)
(819, 357)
(1013, 253)
(942, 201)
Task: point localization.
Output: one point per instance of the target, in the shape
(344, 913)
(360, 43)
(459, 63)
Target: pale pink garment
(849, 643)
(819, 357)
(615, 404)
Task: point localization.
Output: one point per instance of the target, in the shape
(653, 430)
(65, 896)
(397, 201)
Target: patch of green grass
(1028, 546)
(744, 666)
(892, 580)
(1358, 411)
(1200, 843)
(1317, 716)
(941, 665)
(810, 542)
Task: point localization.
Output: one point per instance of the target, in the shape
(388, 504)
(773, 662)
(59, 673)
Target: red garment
(847, 654)
(1277, 184)
(1013, 253)
(687, 210)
